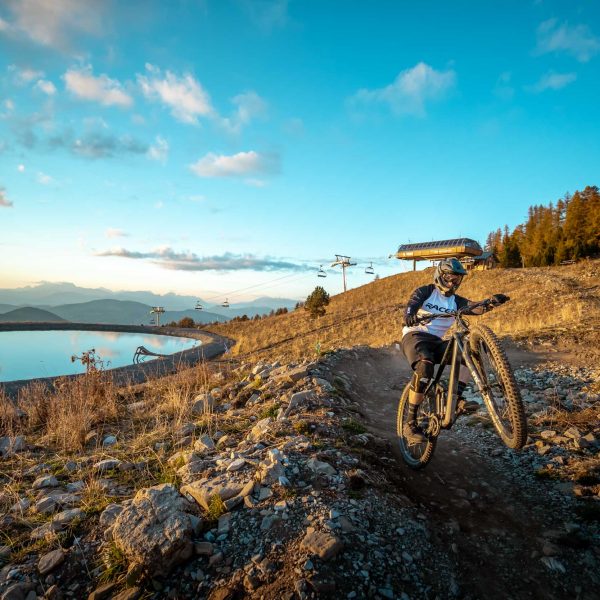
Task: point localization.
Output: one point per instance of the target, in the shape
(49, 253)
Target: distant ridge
(28, 314)
(49, 295)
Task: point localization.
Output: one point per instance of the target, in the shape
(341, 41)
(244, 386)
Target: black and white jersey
(428, 300)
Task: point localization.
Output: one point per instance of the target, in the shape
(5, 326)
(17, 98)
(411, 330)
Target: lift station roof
(437, 250)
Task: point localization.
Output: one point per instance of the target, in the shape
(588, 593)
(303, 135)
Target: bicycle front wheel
(416, 456)
(499, 388)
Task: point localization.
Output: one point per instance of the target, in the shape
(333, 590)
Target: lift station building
(460, 248)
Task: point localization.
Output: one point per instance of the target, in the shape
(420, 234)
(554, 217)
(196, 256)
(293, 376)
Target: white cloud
(21, 168)
(46, 86)
(168, 258)
(576, 40)
(45, 179)
(112, 232)
(26, 75)
(108, 92)
(51, 23)
(9, 104)
(410, 91)
(196, 198)
(4, 201)
(184, 95)
(237, 165)
(249, 105)
(4, 26)
(160, 150)
(553, 81)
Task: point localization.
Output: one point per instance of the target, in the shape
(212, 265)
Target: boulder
(204, 489)
(155, 529)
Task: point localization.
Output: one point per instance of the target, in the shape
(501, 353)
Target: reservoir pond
(33, 354)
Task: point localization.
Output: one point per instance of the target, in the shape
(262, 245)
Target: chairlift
(370, 270)
(225, 304)
(198, 306)
(321, 272)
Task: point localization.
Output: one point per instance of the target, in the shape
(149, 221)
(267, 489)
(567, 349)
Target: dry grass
(542, 298)
(63, 415)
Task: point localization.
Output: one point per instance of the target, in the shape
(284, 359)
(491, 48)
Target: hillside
(28, 314)
(544, 302)
(121, 312)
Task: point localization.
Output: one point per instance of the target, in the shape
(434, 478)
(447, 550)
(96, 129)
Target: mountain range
(66, 301)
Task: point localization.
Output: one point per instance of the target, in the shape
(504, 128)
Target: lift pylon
(344, 262)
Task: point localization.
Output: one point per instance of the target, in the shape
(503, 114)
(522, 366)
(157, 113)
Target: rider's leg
(423, 373)
(464, 406)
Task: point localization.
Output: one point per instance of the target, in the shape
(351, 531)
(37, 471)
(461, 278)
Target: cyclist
(422, 343)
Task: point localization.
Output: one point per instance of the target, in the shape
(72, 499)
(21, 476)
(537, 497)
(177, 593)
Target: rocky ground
(284, 483)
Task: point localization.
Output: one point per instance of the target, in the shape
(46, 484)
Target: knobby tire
(421, 453)
(485, 346)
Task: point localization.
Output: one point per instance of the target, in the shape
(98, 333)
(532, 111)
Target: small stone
(236, 465)
(224, 523)
(50, 561)
(107, 465)
(203, 548)
(109, 440)
(204, 444)
(131, 593)
(45, 481)
(324, 545)
(203, 403)
(103, 592)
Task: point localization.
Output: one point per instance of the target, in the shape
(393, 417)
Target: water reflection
(30, 354)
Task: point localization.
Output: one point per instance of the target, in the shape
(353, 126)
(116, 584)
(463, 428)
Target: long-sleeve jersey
(428, 300)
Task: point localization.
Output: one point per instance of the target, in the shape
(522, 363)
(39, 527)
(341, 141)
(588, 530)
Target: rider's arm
(416, 300)
(495, 300)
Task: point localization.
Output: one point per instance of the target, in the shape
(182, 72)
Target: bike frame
(456, 349)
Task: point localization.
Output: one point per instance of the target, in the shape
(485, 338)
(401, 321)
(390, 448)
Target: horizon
(228, 149)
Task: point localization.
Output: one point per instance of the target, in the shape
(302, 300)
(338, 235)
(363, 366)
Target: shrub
(316, 302)
(186, 322)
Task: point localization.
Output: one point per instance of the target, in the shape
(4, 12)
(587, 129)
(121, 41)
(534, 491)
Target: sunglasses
(452, 278)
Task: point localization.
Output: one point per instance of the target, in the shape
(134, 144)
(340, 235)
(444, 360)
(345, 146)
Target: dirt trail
(504, 528)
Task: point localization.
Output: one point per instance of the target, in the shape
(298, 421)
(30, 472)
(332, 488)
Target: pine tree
(316, 302)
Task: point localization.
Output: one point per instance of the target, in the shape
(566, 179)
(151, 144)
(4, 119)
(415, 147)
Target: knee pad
(423, 372)
(424, 369)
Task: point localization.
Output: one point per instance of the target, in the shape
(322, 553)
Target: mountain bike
(481, 351)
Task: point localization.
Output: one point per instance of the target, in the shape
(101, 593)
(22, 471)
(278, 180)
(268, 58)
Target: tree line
(565, 231)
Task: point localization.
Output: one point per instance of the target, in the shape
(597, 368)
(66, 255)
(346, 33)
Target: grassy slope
(542, 298)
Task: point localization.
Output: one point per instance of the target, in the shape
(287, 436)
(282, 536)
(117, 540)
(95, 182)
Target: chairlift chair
(321, 272)
(370, 270)
(225, 304)
(198, 306)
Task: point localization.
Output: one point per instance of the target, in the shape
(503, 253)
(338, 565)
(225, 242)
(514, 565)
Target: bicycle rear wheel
(500, 391)
(416, 456)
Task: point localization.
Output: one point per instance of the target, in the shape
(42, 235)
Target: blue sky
(204, 147)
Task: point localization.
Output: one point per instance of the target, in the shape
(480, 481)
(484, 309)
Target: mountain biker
(422, 343)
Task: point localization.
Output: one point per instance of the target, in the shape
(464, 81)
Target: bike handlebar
(454, 313)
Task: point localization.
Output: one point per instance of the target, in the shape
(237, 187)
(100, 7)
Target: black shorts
(420, 345)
